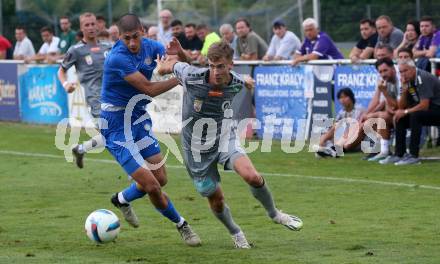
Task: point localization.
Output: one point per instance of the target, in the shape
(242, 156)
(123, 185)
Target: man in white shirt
(24, 47)
(165, 34)
(283, 44)
(227, 33)
(49, 50)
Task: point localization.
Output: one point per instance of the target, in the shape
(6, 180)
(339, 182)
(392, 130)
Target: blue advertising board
(43, 98)
(362, 79)
(9, 101)
(280, 98)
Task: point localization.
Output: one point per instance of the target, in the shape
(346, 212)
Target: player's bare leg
(244, 167)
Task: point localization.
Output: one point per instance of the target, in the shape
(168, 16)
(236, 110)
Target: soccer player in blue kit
(127, 71)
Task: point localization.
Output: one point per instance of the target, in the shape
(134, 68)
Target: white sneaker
(290, 221)
(240, 241)
(379, 157)
(126, 210)
(390, 160)
(189, 236)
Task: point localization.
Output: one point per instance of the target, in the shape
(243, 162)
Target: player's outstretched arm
(152, 89)
(249, 82)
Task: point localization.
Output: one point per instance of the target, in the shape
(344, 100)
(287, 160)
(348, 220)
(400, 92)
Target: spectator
(382, 105)
(165, 34)
(404, 54)
(228, 35)
(113, 30)
(339, 135)
(192, 45)
(388, 34)
(204, 33)
(419, 105)
(383, 51)
(79, 36)
(250, 45)
(49, 50)
(23, 47)
(421, 50)
(317, 45)
(101, 23)
(364, 49)
(5, 45)
(153, 32)
(177, 30)
(67, 37)
(283, 44)
(410, 37)
(103, 36)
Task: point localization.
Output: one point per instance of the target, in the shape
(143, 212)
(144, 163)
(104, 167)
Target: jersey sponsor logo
(63, 43)
(198, 105)
(88, 59)
(194, 82)
(106, 53)
(215, 93)
(95, 49)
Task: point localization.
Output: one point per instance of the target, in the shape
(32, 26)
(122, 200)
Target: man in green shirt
(67, 36)
(208, 38)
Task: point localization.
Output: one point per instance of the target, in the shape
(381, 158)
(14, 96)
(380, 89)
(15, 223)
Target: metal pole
(418, 9)
(159, 8)
(369, 11)
(109, 12)
(1, 17)
(316, 11)
(300, 17)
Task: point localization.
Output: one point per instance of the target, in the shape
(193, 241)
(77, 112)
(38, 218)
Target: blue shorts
(128, 154)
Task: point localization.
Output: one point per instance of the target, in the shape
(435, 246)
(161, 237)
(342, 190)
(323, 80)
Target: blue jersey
(119, 63)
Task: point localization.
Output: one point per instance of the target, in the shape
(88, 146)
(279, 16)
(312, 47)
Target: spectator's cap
(279, 23)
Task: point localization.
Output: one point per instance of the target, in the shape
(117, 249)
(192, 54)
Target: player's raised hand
(165, 64)
(174, 47)
(249, 82)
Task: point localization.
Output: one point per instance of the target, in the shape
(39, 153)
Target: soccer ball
(102, 226)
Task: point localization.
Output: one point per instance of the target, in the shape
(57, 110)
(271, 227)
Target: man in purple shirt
(427, 30)
(317, 45)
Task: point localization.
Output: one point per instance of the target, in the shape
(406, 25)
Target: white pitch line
(322, 178)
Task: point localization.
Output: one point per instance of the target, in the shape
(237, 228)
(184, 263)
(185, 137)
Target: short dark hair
(389, 62)
(407, 50)
(348, 92)
(100, 17)
(103, 34)
(385, 46)
(219, 50)
(129, 22)
(278, 24)
(244, 20)
(80, 34)
(370, 22)
(191, 25)
(202, 26)
(427, 19)
(46, 28)
(20, 27)
(416, 26)
(64, 17)
(176, 22)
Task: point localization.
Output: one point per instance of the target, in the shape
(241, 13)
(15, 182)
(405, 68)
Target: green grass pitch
(353, 211)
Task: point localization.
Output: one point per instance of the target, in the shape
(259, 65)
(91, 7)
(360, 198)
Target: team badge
(198, 105)
(63, 44)
(148, 60)
(88, 59)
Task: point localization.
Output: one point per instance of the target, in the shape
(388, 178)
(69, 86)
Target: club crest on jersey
(148, 60)
(88, 59)
(198, 105)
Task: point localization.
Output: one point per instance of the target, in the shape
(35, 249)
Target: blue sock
(170, 212)
(132, 193)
